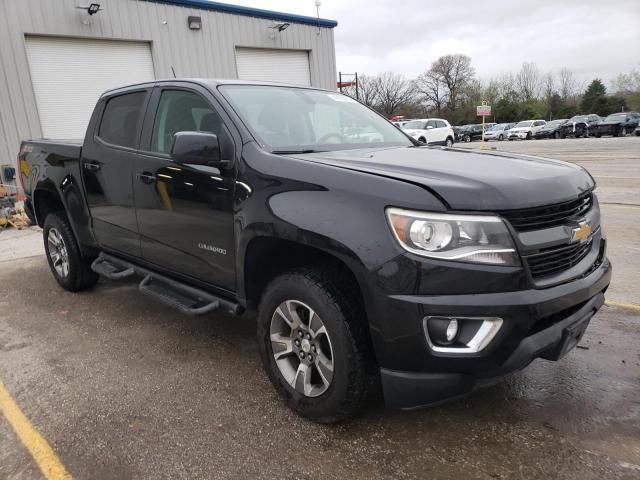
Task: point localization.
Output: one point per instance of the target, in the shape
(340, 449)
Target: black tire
(79, 275)
(528, 135)
(338, 306)
(556, 135)
(449, 142)
(623, 132)
(466, 139)
(501, 138)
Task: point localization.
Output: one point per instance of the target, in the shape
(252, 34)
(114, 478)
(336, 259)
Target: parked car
(433, 131)
(526, 129)
(618, 124)
(498, 131)
(580, 126)
(429, 272)
(550, 130)
(469, 133)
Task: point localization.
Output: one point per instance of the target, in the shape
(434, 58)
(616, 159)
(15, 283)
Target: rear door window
(120, 124)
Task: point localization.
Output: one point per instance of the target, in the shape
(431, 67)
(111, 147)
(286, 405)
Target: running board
(187, 299)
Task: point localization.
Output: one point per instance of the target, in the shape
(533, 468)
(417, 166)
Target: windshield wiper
(289, 152)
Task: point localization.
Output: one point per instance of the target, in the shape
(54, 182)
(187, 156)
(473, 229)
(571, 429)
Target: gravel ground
(122, 387)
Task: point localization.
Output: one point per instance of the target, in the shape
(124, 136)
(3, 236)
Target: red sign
(483, 110)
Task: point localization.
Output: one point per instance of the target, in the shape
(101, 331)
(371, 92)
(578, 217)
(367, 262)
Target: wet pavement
(122, 387)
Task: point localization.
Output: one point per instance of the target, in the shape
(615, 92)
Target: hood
(519, 129)
(468, 180)
(412, 131)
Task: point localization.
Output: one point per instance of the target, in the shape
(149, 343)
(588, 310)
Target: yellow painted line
(622, 205)
(628, 306)
(42, 453)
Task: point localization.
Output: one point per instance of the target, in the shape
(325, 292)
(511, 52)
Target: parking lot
(122, 387)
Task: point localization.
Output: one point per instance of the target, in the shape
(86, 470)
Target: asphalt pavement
(121, 387)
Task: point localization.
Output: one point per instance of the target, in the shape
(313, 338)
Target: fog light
(452, 330)
(460, 335)
(442, 330)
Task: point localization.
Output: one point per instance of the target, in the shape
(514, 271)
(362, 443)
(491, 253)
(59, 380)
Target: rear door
(185, 212)
(431, 132)
(108, 155)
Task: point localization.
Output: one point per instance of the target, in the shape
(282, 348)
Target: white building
(57, 56)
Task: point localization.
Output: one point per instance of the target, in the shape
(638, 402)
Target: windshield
(578, 118)
(499, 126)
(526, 123)
(292, 120)
(415, 125)
(616, 117)
(555, 122)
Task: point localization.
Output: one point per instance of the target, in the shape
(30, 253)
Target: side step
(187, 299)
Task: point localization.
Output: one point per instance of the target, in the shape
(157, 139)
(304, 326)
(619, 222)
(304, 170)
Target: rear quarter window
(121, 119)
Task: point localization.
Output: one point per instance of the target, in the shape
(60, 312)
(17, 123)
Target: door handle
(92, 166)
(146, 177)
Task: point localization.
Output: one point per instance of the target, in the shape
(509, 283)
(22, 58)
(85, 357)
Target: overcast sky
(594, 38)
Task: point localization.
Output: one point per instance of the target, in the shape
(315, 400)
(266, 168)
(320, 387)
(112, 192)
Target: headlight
(465, 238)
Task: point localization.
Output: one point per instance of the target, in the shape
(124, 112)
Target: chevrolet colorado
(373, 262)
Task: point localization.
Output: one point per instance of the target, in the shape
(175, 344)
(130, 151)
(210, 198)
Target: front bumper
(521, 135)
(539, 323)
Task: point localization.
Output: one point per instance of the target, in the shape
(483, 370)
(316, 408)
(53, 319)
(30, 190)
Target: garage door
(69, 75)
(286, 66)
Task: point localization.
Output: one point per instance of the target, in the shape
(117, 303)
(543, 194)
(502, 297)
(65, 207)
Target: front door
(107, 166)
(185, 212)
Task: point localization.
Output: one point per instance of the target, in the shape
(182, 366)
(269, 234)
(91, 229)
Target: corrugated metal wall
(209, 52)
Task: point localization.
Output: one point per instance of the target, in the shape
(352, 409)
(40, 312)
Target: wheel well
(46, 202)
(267, 258)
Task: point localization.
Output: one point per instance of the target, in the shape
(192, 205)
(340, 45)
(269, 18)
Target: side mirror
(197, 148)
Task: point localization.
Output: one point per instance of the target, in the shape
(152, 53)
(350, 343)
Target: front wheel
(623, 132)
(313, 344)
(501, 138)
(528, 135)
(556, 135)
(467, 139)
(70, 269)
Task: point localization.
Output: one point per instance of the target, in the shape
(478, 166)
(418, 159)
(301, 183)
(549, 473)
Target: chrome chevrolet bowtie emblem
(581, 233)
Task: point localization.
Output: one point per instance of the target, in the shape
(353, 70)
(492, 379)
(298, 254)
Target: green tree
(595, 91)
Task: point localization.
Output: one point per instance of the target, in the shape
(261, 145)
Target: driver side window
(183, 111)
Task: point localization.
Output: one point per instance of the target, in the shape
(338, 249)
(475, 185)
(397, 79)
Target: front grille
(537, 218)
(556, 259)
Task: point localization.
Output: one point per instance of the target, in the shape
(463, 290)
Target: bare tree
(455, 72)
(627, 83)
(367, 90)
(528, 81)
(569, 88)
(392, 91)
(432, 90)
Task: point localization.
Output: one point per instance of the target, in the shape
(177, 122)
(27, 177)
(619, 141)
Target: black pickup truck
(374, 262)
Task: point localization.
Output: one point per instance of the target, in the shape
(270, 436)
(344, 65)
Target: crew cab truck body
(428, 271)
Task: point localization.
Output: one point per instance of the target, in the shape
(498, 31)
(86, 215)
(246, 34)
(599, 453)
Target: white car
(432, 131)
(525, 130)
(499, 131)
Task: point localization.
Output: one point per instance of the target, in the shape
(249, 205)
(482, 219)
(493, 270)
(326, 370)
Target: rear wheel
(556, 135)
(70, 269)
(313, 344)
(501, 138)
(467, 138)
(449, 142)
(528, 135)
(623, 132)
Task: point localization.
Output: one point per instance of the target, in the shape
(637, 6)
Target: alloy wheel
(302, 348)
(58, 252)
